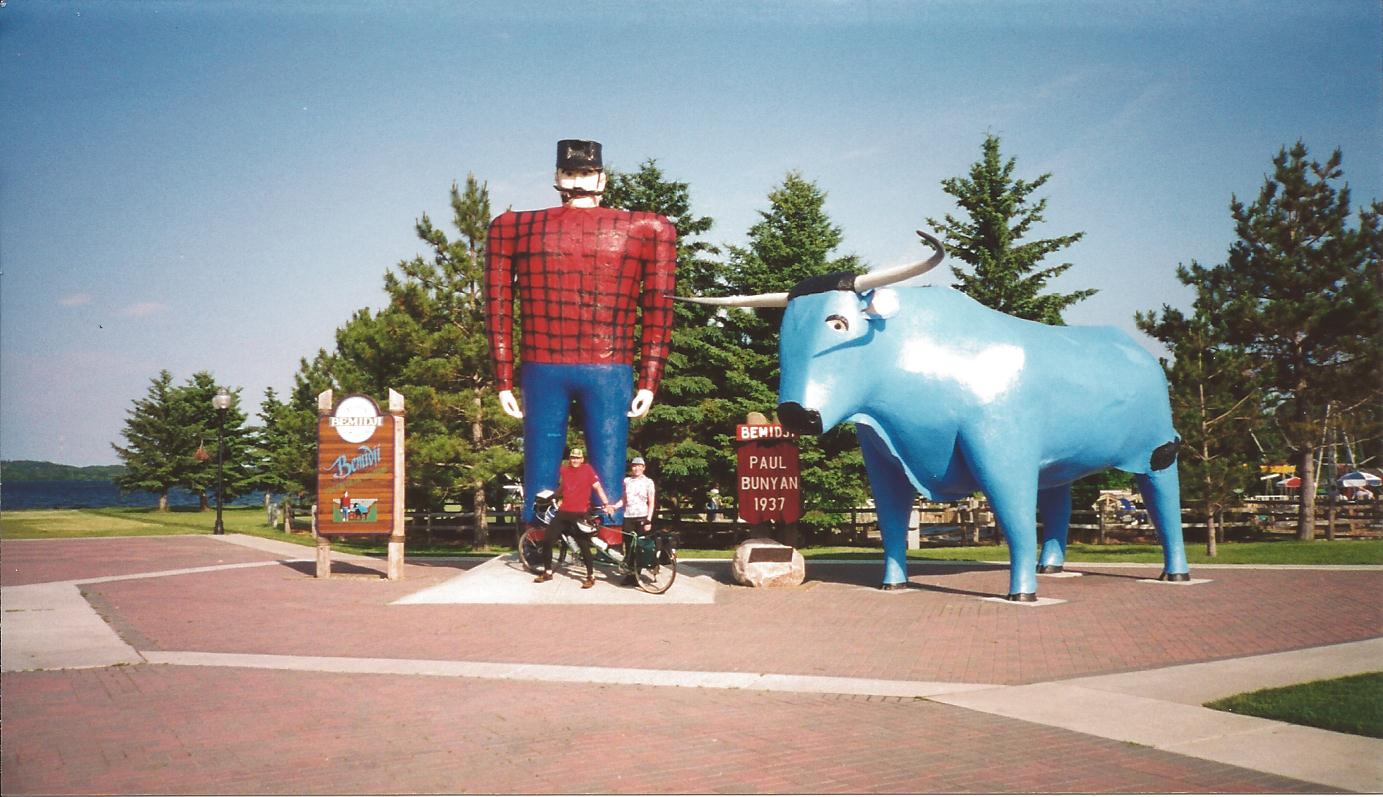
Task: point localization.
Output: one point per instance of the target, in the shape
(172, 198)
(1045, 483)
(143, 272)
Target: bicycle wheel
(657, 574)
(531, 552)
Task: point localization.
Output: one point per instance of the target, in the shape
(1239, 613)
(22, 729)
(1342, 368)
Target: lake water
(91, 495)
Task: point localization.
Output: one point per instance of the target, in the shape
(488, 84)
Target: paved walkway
(220, 665)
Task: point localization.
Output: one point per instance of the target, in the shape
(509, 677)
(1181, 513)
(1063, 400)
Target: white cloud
(143, 309)
(75, 299)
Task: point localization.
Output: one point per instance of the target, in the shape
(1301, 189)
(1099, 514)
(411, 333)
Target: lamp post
(221, 401)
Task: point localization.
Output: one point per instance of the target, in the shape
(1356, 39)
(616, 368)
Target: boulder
(761, 562)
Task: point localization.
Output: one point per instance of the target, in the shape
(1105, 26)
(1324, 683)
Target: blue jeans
(603, 393)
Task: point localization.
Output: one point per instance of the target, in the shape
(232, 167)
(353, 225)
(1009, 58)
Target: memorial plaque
(770, 554)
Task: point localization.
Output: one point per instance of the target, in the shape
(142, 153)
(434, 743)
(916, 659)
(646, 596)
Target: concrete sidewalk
(147, 628)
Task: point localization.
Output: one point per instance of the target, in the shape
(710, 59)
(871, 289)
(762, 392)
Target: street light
(221, 401)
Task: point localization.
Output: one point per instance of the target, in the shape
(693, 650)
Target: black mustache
(577, 191)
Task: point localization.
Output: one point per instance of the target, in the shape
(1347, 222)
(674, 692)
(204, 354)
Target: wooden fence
(936, 523)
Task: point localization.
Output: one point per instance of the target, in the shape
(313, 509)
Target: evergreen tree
(429, 344)
(172, 436)
(193, 409)
(793, 239)
(998, 215)
(1300, 292)
(1215, 408)
(154, 438)
(673, 436)
(287, 443)
(280, 455)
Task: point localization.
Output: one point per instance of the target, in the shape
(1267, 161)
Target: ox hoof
(1174, 576)
(1048, 569)
(891, 587)
(1023, 597)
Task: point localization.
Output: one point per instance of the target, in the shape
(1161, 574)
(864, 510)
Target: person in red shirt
(575, 482)
(586, 279)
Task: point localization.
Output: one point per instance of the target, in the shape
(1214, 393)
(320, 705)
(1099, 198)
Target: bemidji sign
(355, 469)
(770, 487)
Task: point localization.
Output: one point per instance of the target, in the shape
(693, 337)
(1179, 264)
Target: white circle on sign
(356, 419)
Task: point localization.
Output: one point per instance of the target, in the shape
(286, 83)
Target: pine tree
(1300, 292)
(172, 435)
(793, 239)
(1215, 406)
(1006, 273)
(672, 437)
(155, 439)
(429, 345)
(287, 443)
(192, 407)
(282, 455)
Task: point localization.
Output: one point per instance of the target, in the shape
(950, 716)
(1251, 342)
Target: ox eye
(838, 323)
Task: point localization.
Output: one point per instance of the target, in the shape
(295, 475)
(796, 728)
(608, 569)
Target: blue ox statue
(949, 397)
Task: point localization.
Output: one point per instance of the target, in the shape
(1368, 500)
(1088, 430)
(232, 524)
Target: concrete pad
(182, 571)
(294, 552)
(1341, 760)
(830, 685)
(52, 627)
(284, 550)
(1332, 759)
(502, 580)
(1127, 718)
(1197, 684)
(562, 673)
(1188, 583)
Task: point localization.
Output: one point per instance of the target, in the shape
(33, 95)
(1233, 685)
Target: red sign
(770, 486)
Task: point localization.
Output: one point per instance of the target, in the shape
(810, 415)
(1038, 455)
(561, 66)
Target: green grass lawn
(125, 521)
(1348, 705)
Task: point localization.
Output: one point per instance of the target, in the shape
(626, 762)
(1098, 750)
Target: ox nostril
(799, 419)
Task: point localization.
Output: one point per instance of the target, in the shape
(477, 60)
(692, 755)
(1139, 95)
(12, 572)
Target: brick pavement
(938, 632)
(40, 561)
(184, 730)
(170, 729)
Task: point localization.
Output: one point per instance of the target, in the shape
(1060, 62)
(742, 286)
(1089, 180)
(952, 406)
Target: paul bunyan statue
(586, 278)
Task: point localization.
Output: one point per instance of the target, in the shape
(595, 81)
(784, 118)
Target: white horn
(888, 276)
(757, 300)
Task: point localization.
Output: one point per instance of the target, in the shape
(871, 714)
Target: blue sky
(219, 185)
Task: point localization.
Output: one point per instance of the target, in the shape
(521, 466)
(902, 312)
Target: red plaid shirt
(580, 272)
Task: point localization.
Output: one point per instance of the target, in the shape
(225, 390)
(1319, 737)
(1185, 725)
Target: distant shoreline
(31, 470)
(98, 494)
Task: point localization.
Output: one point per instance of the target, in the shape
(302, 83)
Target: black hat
(573, 154)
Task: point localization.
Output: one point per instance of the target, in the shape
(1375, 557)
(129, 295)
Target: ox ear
(881, 303)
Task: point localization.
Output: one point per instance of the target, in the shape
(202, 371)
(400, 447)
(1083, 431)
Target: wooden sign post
(360, 475)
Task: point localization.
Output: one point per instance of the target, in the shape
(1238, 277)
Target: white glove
(509, 404)
(642, 401)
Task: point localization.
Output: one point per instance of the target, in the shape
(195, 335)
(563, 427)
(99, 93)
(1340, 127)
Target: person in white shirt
(640, 499)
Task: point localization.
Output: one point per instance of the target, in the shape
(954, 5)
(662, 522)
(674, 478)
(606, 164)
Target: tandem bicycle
(649, 559)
